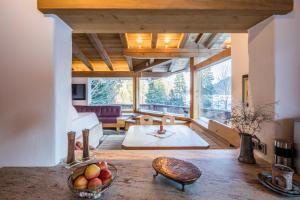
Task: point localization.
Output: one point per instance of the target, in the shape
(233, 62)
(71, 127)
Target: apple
(92, 171)
(105, 176)
(94, 183)
(107, 181)
(103, 165)
(80, 183)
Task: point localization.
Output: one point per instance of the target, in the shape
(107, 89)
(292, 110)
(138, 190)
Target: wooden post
(192, 84)
(136, 86)
(71, 147)
(85, 136)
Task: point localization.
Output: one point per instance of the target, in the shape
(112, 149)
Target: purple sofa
(105, 114)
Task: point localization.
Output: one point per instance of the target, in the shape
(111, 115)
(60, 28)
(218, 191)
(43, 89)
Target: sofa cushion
(108, 119)
(110, 111)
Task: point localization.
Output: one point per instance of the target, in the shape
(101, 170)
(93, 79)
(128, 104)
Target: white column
(35, 61)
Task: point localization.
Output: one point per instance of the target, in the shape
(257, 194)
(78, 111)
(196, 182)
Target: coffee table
(140, 138)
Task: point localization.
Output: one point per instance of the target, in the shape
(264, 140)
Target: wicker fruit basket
(91, 193)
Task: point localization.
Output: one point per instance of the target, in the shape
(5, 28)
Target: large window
(215, 91)
(111, 91)
(165, 95)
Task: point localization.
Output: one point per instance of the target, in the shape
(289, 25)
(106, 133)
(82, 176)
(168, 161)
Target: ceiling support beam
(214, 59)
(100, 49)
(212, 39)
(153, 40)
(199, 38)
(148, 65)
(183, 40)
(119, 74)
(173, 16)
(78, 53)
(166, 53)
(125, 45)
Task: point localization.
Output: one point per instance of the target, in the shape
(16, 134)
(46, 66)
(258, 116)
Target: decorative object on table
(177, 170)
(71, 148)
(85, 136)
(161, 130)
(92, 179)
(164, 134)
(283, 152)
(248, 121)
(265, 178)
(245, 89)
(282, 176)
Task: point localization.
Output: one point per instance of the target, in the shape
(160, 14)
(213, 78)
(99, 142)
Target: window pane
(165, 95)
(215, 91)
(111, 91)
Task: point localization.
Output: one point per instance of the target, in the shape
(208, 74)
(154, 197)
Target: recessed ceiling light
(167, 40)
(139, 40)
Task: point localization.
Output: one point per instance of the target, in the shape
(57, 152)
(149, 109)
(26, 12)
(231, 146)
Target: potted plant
(248, 121)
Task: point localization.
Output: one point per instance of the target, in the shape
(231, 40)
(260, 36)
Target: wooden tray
(180, 171)
(265, 178)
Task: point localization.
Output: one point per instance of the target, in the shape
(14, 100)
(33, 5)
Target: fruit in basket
(94, 183)
(78, 172)
(92, 171)
(105, 176)
(103, 165)
(80, 183)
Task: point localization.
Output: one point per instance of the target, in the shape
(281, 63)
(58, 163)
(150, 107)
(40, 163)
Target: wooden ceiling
(137, 52)
(164, 16)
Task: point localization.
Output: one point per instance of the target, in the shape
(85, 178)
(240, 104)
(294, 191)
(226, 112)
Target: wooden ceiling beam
(173, 16)
(80, 55)
(118, 74)
(214, 59)
(212, 39)
(165, 53)
(199, 38)
(280, 6)
(153, 40)
(125, 45)
(94, 39)
(148, 65)
(123, 40)
(183, 40)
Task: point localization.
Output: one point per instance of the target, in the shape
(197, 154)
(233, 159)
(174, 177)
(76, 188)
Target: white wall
(81, 80)
(31, 74)
(240, 64)
(274, 72)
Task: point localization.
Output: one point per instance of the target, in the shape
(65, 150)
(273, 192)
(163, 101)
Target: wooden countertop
(223, 178)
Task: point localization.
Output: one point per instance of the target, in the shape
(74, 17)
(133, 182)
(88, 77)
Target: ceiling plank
(165, 53)
(212, 39)
(154, 40)
(100, 49)
(216, 58)
(183, 40)
(174, 16)
(148, 65)
(78, 53)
